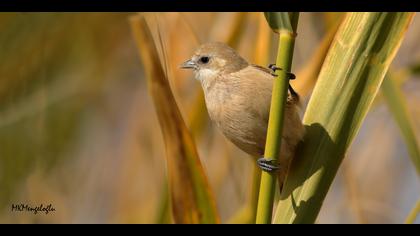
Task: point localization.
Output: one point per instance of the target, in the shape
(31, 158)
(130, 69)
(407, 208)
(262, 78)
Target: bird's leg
(268, 165)
(274, 68)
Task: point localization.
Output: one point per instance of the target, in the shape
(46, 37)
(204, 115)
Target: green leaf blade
(352, 73)
(279, 21)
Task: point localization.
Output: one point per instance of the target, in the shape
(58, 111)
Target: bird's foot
(274, 68)
(268, 165)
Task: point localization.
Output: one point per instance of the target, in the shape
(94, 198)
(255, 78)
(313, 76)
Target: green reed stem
(278, 102)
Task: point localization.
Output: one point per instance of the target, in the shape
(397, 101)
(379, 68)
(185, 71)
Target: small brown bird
(238, 97)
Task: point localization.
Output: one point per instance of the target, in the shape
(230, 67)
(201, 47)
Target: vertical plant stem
(256, 180)
(273, 143)
(397, 105)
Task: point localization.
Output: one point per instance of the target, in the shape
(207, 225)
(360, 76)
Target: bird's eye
(204, 60)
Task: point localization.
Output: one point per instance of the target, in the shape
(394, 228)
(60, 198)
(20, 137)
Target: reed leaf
(192, 200)
(279, 21)
(353, 70)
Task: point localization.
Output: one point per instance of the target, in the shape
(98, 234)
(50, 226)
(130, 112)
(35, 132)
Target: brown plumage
(238, 97)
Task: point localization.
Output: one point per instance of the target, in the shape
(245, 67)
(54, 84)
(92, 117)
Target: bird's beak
(190, 64)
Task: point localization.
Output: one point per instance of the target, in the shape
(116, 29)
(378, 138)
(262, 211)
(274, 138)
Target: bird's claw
(274, 68)
(268, 165)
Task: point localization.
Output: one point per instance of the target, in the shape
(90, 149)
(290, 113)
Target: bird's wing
(256, 85)
(264, 69)
(293, 94)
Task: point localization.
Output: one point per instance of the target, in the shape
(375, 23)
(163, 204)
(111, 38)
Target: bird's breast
(235, 115)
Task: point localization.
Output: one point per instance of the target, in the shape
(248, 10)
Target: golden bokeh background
(78, 129)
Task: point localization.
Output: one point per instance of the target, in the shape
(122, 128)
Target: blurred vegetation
(78, 128)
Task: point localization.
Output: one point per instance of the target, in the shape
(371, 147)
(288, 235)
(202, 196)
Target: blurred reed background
(78, 128)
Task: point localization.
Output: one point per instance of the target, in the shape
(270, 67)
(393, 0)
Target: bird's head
(214, 59)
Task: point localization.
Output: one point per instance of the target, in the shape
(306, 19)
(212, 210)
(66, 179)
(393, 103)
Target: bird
(238, 97)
